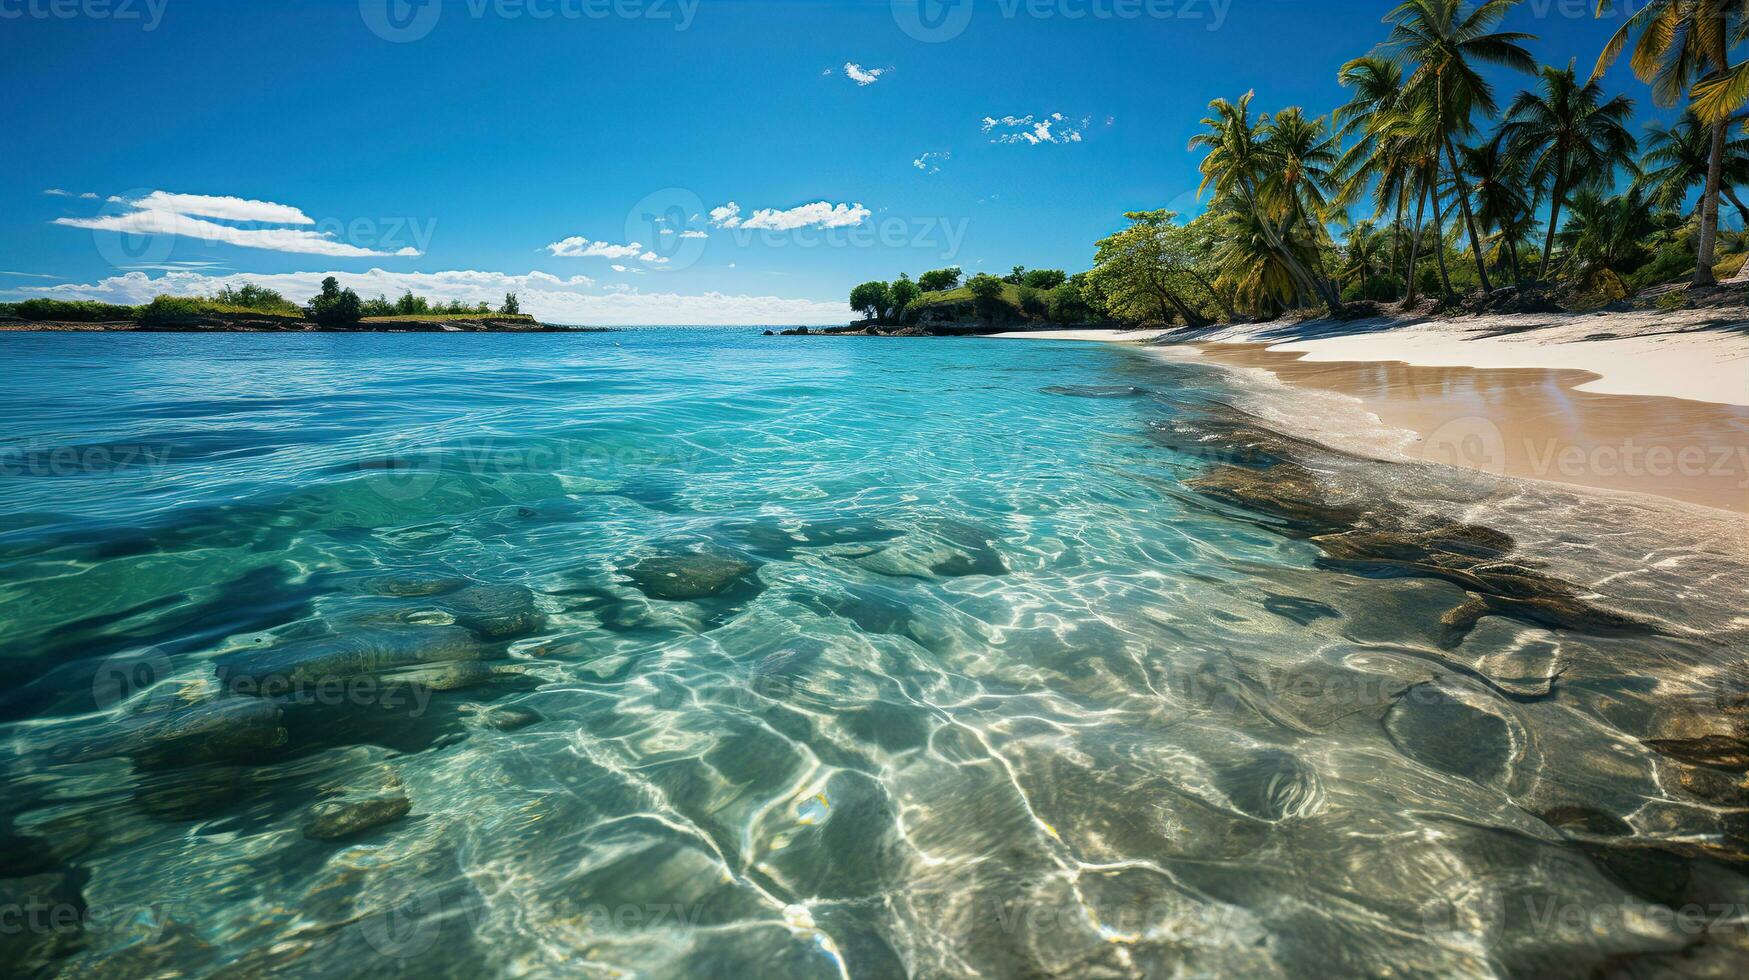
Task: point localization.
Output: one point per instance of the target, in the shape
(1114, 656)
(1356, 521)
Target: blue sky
(528, 144)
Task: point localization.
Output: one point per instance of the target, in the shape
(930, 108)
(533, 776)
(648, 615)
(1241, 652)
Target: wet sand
(1531, 422)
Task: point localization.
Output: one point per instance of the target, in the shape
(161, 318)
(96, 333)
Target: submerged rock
(689, 576)
(226, 730)
(939, 549)
(1096, 391)
(44, 922)
(339, 819)
(494, 611)
(279, 670)
(510, 717)
(1285, 491)
(1458, 732)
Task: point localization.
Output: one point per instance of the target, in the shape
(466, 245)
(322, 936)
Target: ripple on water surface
(694, 653)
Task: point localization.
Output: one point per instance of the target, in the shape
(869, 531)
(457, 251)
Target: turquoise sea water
(695, 653)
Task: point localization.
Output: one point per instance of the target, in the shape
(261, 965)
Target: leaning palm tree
(1676, 161)
(1301, 177)
(1238, 160)
(1685, 45)
(1568, 136)
(1444, 43)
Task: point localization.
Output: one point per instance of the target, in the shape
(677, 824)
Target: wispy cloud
(930, 163)
(576, 300)
(820, 214)
(189, 216)
(578, 247)
(1054, 128)
(861, 75)
(57, 192)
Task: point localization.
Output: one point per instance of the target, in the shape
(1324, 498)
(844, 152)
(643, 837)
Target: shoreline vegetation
(253, 309)
(1426, 193)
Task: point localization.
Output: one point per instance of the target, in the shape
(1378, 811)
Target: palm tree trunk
(1231, 314)
(1294, 268)
(1554, 214)
(1397, 232)
(1439, 242)
(1463, 196)
(1709, 211)
(1409, 283)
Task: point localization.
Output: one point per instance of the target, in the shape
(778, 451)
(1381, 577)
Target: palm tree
(1373, 161)
(1676, 163)
(1497, 185)
(1688, 43)
(1301, 175)
(1238, 159)
(1605, 232)
(1444, 44)
(1365, 252)
(1568, 136)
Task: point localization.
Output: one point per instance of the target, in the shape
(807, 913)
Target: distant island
(253, 309)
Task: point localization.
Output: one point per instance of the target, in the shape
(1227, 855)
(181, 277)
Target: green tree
(511, 307)
(1044, 279)
(379, 307)
(1444, 44)
(1568, 137)
(1154, 269)
(1677, 158)
(939, 280)
(901, 294)
(1686, 45)
(1066, 304)
(336, 307)
(988, 296)
(873, 299)
(1016, 277)
(1607, 232)
(1237, 160)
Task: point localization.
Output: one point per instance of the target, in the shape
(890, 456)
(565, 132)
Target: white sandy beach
(1699, 355)
(1643, 402)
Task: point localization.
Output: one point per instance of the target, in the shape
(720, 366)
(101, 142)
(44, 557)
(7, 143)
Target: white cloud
(271, 239)
(930, 163)
(577, 247)
(820, 214)
(1054, 128)
(57, 192)
(619, 268)
(692, 233)
(224, 208)
(863, 76)
(185, 216)
(554, 300)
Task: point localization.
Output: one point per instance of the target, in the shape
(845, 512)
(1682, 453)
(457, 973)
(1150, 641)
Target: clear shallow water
(698, 653)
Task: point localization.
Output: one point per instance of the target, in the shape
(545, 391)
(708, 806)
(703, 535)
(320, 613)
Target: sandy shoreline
(1643, 402)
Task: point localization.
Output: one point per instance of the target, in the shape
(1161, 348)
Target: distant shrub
(336, 307)
(1044, 279)
(1067, 305)
(257, 299)
(987, 294)
(172, 311)
(1032, 303)
(939, 280)
(70, 311)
